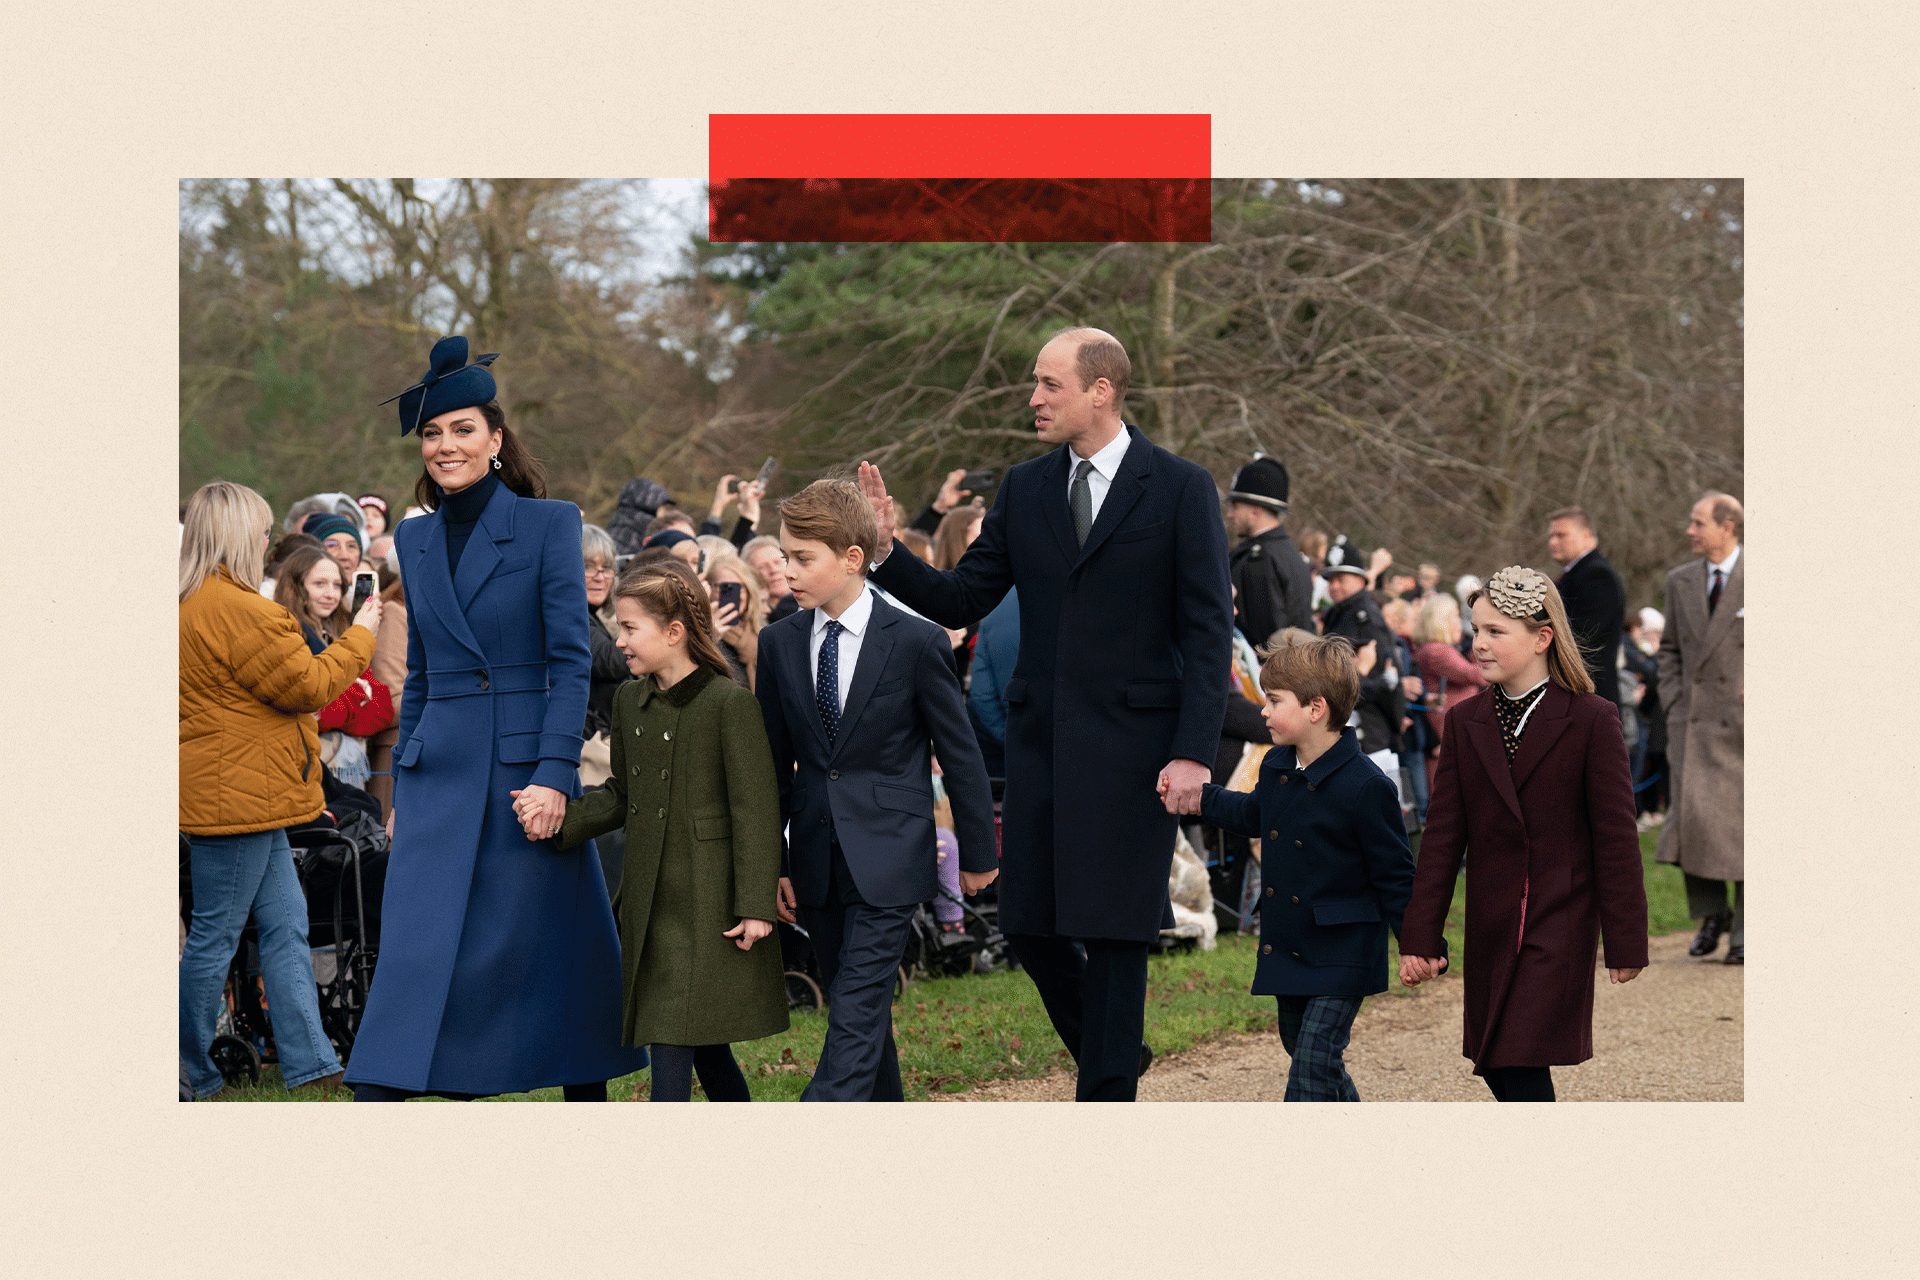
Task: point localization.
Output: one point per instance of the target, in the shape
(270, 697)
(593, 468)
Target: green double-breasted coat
(693, 785)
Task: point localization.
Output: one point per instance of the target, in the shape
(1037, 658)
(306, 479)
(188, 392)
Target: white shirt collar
(1107, 461)
(1726, 566)
(853, 617)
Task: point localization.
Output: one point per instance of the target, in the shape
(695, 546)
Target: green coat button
(663, 775)
(663, 813)
(668, 735)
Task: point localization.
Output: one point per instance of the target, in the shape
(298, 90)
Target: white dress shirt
(854, 618)
(1106, 465)
(1725, 566)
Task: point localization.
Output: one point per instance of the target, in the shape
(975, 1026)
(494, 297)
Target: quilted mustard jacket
(249, 745)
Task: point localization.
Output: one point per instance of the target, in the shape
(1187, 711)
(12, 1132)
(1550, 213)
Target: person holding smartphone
(739, 611)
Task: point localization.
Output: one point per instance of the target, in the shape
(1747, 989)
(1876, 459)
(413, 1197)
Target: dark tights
(595, 1092)
(1520, 1084)
(675, 1064)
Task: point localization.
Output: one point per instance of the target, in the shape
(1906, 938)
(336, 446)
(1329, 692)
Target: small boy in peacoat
(1335, 865)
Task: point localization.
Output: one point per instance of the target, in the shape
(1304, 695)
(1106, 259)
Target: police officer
(1273, 587)
(1356, 615)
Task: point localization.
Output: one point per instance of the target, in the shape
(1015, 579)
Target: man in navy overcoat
(1126, 620)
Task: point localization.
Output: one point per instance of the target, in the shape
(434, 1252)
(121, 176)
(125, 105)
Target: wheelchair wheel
(804, 993)
(235, 1059)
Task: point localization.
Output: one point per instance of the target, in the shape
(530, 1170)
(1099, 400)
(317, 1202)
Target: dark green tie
(1080, 501)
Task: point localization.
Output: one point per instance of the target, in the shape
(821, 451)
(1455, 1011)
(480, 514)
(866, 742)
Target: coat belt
(499, 677)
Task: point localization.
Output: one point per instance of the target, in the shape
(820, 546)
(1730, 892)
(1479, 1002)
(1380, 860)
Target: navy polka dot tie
(826, 680)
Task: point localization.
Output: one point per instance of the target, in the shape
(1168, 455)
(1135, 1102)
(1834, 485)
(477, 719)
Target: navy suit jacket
(1125, 649)
(872, 789)
(1335, 870)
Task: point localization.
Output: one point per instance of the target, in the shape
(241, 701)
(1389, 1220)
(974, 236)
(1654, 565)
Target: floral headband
(1518, 592)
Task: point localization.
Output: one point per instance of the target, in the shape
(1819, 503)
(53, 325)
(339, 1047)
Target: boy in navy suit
(1335, 864)
(854, 692)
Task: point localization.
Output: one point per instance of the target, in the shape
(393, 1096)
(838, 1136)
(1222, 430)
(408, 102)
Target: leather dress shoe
(1708, 939)
(1737, 954)
(1146, 1057)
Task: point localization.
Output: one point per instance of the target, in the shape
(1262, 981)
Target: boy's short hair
(1314, 667)
(834, 512)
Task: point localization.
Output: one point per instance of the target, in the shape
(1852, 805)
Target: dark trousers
(1315, 1030)
(1098, 1004)
(1520, 1084)
(859, 947)
(674, 1066)
(1709, 898)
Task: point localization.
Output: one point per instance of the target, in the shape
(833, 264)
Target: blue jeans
(232, 875)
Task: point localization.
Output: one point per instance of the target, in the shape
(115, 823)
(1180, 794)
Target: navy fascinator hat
(451, 383)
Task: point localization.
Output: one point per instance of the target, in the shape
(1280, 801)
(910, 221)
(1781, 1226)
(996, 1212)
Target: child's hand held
(748, 932)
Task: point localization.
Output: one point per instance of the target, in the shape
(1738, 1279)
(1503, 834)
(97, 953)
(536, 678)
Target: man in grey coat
(1703, 687)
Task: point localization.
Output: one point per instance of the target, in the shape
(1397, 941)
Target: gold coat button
(1273, 835)
(1283, 779)
(1296, 900)
(1309, 786)
(1266, 949)
(1269, 893)
(1296, 843)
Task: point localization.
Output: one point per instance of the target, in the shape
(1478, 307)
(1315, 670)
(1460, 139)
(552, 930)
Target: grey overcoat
(1702, 679)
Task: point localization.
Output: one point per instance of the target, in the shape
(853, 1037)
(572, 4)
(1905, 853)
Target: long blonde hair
(226, 525)
(1564, 666)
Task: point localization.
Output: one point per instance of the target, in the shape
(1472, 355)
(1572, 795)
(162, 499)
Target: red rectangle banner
(960, 177)
(959, 146)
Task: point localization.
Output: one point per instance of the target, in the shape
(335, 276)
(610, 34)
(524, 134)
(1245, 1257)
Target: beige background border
(108, 106)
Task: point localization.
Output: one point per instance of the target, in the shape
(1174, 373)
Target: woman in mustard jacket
(249, 769)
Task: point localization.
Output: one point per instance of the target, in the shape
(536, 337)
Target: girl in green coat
(693, 786)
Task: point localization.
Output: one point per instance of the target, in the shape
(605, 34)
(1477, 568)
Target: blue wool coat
(499, 966)
(1335, 869)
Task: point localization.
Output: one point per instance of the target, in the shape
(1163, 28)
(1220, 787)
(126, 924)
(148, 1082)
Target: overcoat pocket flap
(903, 799)
(518, 748)
(411, 753)
(1136, 535)
(1016, 690)
(719, 828)
(1153, 693)
(1347, 911)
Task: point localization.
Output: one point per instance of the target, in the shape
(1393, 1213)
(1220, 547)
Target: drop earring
(496, 462)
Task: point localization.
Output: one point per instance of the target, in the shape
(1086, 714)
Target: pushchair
(977, 947)
(342, 870)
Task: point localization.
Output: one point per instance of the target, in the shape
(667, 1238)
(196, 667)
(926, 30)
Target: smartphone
(730, 593)
(364, 583)
(733, 486)
(767, 469)
(975, 481)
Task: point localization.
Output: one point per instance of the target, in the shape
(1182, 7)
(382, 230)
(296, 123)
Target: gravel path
(1674, 1034)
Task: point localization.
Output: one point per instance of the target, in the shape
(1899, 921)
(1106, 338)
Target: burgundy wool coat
(1553, 864)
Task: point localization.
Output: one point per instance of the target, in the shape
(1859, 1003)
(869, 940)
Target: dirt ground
(1674, 1034)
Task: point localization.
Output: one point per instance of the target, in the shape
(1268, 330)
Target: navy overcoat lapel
(1129, 482)
(481, 557)
(1053, 500)
(430, 580)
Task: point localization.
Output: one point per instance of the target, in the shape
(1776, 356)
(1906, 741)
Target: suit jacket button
(1296, 955)
(823, 820)
(833, 775)
(1298, 845)
(1266, 949)
(1296, 900)
(1269, 892)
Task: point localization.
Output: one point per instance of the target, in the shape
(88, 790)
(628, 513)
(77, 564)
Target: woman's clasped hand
(540, 810)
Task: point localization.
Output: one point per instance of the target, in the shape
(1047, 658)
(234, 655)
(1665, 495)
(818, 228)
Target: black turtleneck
(462, 511)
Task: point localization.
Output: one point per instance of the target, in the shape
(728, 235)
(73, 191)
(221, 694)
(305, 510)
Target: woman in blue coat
(499, 964)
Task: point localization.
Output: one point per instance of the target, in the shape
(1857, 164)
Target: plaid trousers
(1315, 1031)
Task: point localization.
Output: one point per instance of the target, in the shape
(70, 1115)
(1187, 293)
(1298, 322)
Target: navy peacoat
(1556, 863)
(1125, 650)
(499, 966)
(1335, 869)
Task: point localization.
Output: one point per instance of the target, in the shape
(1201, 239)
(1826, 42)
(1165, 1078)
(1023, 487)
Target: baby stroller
(342, 870)
(802, 968)
(977, 947)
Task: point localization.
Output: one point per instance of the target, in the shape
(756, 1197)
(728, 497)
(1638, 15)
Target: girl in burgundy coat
(1533, 777)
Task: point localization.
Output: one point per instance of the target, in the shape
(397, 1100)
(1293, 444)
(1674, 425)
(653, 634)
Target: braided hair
(669, 592)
